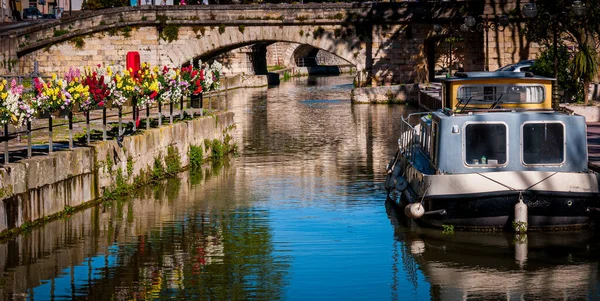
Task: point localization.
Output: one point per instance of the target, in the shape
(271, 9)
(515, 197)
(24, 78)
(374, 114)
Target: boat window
(543, 143)
(501, 93)
(485, 144)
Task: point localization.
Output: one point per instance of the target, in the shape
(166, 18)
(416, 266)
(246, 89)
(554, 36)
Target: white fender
(414, 210)
(521, 214)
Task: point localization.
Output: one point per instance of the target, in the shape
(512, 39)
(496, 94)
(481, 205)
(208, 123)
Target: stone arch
(214, 43)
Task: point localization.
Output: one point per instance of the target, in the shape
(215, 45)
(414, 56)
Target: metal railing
(8, 135)
(409, 142)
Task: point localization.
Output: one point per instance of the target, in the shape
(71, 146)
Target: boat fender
(414, 210)
(521, 215)
(401, 184)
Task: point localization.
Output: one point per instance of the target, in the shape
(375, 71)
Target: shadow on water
(499, 265)
(178, 239)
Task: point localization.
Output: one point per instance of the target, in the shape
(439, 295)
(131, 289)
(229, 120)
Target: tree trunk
(586, 91)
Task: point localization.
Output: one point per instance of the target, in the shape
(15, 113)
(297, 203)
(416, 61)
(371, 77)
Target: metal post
(134, 105)
(487, 48)
(171, 112)
(181, 107)
(104, 124)
(147, 117)
(6, 144)
(555, 100)
(87, 121)
(159, 114)
(50, 146)
(120, 121)
(201, 96)
(70, 116)
(28, 139)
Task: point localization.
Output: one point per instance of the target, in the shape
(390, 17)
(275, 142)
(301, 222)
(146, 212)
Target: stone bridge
(389, 41)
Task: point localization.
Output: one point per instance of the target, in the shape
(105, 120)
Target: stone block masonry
(37, 188)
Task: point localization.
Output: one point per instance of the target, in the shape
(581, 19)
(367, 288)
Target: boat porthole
(569, 203)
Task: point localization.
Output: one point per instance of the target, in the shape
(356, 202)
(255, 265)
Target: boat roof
(485, 75)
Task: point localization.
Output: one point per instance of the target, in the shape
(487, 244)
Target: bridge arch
(198, 34)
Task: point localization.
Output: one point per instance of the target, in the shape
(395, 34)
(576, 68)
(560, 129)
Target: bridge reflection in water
(499, 266)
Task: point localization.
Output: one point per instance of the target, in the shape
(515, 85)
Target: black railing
(134, 111)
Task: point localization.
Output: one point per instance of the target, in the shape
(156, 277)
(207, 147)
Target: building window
(543, 143)
(485, 144)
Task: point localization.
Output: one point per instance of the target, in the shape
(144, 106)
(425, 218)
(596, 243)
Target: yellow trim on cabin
(546, 104)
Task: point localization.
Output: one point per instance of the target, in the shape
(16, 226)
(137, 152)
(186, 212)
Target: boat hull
(547, 210)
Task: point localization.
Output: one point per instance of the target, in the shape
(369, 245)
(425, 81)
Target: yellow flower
(53, 76)
(4, 82)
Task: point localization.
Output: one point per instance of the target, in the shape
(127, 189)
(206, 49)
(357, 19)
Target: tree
(579, 27)
(544, 66)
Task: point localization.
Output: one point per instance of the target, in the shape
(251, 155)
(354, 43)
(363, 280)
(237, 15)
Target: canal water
(301, 214)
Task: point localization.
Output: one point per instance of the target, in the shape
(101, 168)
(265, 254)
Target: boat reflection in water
(499, 266)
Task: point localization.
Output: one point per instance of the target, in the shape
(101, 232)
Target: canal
(300, 214)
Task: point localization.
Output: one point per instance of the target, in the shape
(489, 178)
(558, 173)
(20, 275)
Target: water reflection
(500, 266)
(163, 243)
(298, 216)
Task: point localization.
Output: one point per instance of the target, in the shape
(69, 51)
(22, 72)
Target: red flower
(154, 93)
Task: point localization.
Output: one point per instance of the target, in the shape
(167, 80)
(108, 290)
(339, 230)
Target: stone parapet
(35, 188)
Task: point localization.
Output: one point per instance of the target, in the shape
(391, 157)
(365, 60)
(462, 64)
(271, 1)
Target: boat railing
(410, 142)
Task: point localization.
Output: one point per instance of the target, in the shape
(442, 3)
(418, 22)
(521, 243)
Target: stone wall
(382, 40)
(387, 94)
(42, 186)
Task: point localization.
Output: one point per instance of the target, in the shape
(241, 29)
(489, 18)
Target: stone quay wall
(36, 188)
(386, 94)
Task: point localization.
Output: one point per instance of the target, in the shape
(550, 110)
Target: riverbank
(46, 187)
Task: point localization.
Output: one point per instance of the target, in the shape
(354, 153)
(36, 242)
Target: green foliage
(78, 42)
(201, 29)
(162, 19)
(68, 210)
(221, 28)
(520, 226)
(172, 160)
(158, 170)
(144, 18)
(337, 32)
(170, 33)
(196, 155)
(129, 166)
(275, 68)
(113, 31)
(544, 66)
(301, 32)
(318, 32)
(241, 28)
(585, 63)
(60, 32)
(286, 76)
(338, 16)
(121, 186)
(126, 31)
(109, 163)
(301, 18)
(448, 229)
(218, 149)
